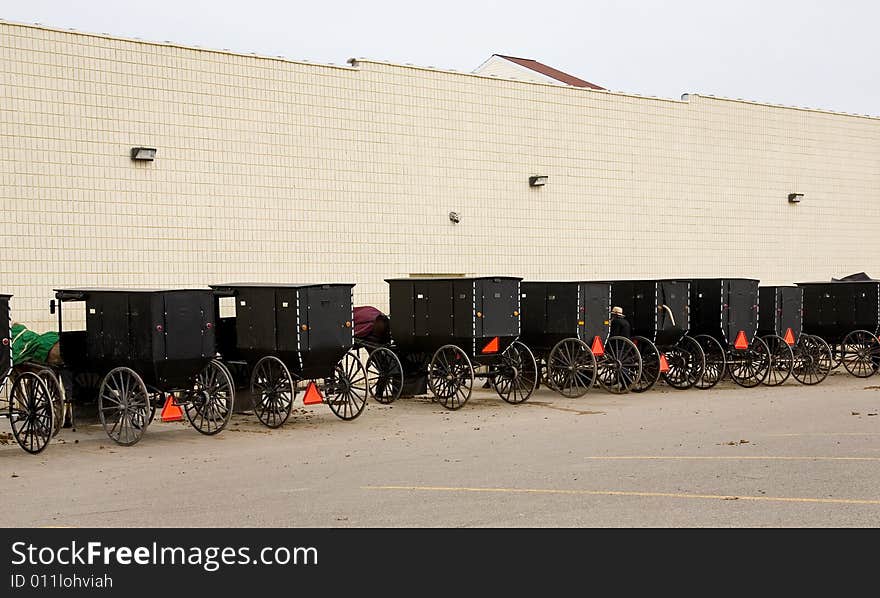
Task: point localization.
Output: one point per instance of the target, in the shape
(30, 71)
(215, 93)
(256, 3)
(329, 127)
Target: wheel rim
(517, 377)
(123, 406)
(347, 389)
(451, 377)
(813, 360)
(58, 397)
(620, 366)
(650, 364)
(272, 391)
(384, 376)
(571, 368)
(781, 360)
(30, 413)
(716, 362)
(210, 402)
(748, 367)
(860, 353)
(687, 361)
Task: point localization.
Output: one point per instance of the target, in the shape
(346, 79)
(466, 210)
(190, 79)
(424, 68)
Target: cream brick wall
(279, 171)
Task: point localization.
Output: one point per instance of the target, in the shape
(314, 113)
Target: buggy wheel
(571, 368)
(813, 360)
(781, 360)
(31, 412)
(209, 404)
(451, 377)
(687, 362)
(860, 353)
(272, 391)
(620, 367)
(347, 389)
(124, 406)
(716, 362)
(516, 377)
(650, 364)
(384, 375)
(749, 367)
(58, 396)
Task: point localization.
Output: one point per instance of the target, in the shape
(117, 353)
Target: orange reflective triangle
(313, 395)
(598, 348)
(171, 412)
(789, 337)
(664, 365)
(492, 346)
(741, 341)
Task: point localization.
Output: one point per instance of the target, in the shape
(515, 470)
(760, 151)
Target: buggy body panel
(643, 304)
(5, 341)
(834, 309)
(553, 311)
(724, 307)
(309, 327)
(427, 313)
(781, 309)
(166, 335)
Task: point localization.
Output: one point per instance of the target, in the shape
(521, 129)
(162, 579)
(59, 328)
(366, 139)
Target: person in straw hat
(619, 324)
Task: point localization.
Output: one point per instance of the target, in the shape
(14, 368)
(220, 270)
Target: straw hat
(617, 311)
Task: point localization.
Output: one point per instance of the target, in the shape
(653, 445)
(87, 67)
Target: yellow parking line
(839, 501)
(725, 458)
(823, 434)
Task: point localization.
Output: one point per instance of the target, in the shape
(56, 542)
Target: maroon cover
(364, 318)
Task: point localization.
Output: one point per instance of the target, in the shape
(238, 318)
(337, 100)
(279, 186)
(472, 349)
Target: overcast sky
(819, 54)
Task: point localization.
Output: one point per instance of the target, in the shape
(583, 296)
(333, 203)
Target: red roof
(550, 72)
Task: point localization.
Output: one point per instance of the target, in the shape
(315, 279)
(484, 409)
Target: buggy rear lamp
(492, 346)
(304, 327)
(516, 314)
(209, 325)
(479, 314)
(5, 342)
(159, 328)
(348, 324)
(580, 322)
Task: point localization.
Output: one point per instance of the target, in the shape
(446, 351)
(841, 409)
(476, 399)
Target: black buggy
(279, 338)
(566, 325)
(659, 313)
(445, 332)
(31, 410)
(846, 314)
(140, 349)
(792, 353)
(724, 320)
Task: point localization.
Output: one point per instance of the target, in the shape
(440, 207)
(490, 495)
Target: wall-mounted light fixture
(454, 217)
(537, 181)
(143, 153)
(795, 197)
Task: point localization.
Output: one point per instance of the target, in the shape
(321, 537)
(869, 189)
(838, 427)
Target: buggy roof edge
(462, 278)
(705, 278)
(838, 282)
(566, 282)
(288, 285)
(78, 294)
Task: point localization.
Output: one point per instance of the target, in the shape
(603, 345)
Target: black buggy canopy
(427, 313)
(833, 309)
(556, 310)
(725, 309)
(781, 312)
(166, 335)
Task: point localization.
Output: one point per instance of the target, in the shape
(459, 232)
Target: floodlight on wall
(143, 153)
(454, 217)
(795, 197)
(537, 181)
